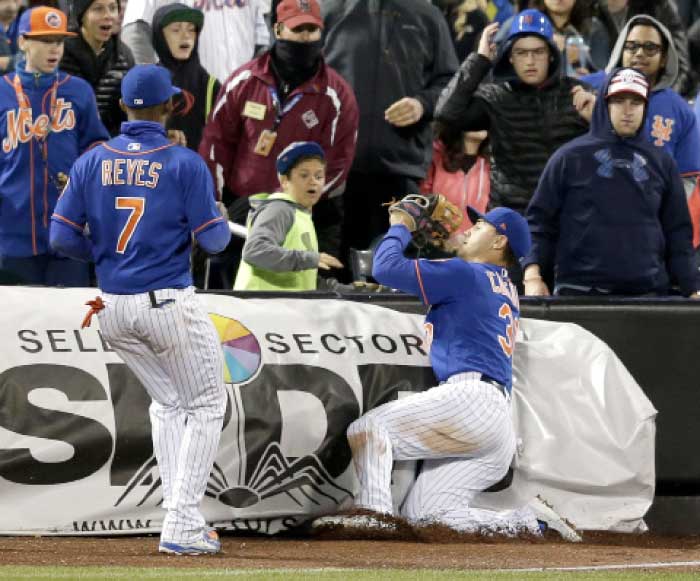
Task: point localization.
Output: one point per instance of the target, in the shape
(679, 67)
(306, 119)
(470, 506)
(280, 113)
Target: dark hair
(580, 17)
(509, 256)
(521, 5)
(453, 140)
(301, 159)
(646, 21)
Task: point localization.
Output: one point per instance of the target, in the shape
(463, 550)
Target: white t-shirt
(232, 29)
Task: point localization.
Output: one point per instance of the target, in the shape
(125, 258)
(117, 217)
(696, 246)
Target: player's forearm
(215, 239)
(390, 267)
(69, 242)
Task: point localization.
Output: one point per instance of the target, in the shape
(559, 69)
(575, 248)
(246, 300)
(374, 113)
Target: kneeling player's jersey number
(135, 207)
(507, 343)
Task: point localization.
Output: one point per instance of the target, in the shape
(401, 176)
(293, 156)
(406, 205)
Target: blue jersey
(142, 198)
(670, 124)
(474, 309)
(46, 122)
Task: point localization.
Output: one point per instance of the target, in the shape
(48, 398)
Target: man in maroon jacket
(285, 95)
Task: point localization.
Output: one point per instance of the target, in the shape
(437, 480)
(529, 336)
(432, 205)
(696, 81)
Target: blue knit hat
(289, 156)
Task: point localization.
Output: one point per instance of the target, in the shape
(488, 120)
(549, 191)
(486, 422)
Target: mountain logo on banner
(274, 475)
(301, 480)
(241, 349)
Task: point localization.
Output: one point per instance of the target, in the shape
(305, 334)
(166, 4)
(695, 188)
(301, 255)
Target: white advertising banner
(76, 454)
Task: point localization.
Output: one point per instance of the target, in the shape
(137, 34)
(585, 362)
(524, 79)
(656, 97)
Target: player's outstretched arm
(389, 265)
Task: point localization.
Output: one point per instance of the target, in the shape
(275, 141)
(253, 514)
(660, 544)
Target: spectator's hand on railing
(535, 287)
(406, 111)
(583, 102)
(487, 46)
(533, 282)
(326, 261)
(177, 137)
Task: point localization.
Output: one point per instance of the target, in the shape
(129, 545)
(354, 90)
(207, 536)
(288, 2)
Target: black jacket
(104, 72)
(199, 88)
(526, 124)
(387, 50)
(694, 56)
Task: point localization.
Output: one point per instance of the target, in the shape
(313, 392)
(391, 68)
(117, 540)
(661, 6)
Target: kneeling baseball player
(462, 429)
(143, 197)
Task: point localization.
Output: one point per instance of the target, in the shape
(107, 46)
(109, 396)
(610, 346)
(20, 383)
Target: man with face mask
(285, 95)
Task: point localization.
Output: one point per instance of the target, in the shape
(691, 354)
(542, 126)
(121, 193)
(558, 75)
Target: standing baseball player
(142, 198)
(462, 429)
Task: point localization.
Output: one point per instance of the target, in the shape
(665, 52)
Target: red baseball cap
(293, 13)
(628, 81)
(43, 21)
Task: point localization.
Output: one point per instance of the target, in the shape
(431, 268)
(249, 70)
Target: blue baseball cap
(147, 86)
(291, 153)
(508, 223)
(531, 21)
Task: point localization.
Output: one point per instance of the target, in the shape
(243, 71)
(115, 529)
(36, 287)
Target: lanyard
(23, 102)
(279, 110)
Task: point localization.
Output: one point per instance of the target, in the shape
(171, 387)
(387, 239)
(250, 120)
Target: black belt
(499, 386)
(154, 301)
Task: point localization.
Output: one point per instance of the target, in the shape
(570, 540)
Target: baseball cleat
(545, 513)
(207, 544)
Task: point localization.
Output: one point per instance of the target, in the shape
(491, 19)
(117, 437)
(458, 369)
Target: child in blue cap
(281, 252)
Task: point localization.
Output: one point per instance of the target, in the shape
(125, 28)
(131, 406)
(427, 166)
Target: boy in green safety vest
(281, 251)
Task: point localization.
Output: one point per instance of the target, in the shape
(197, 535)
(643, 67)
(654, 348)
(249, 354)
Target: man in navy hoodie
(610, 213)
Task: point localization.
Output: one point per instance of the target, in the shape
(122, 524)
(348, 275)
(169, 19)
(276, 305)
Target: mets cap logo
(53, 19)
(527, 19)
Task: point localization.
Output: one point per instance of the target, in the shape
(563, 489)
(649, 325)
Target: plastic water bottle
(576, 55)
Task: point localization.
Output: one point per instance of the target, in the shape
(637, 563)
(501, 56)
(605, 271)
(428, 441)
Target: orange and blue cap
(43, 21)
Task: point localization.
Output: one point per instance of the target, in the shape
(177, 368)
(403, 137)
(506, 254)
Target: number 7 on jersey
(136, 207)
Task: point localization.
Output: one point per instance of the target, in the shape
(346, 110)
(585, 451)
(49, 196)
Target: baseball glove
(435, 218)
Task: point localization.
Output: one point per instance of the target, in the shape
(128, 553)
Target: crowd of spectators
(469, 98)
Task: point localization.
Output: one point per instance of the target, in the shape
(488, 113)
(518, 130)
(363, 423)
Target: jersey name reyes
(130, 172)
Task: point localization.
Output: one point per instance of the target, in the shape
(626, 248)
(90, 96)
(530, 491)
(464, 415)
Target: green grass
(211, 574)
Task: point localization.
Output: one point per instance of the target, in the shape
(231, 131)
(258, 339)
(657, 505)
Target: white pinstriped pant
(174, 351)
(463, 431)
